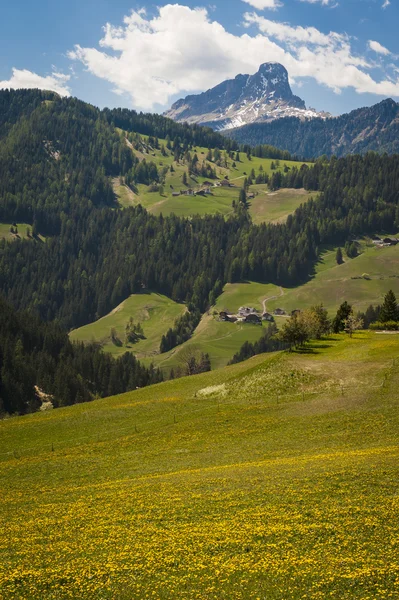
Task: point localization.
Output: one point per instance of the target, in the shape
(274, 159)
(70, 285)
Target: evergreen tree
(339, 257)
(389, 309)
(344, 311)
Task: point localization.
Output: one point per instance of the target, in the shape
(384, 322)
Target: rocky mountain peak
(264, 96)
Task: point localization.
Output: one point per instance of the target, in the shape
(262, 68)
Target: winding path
(272, 298)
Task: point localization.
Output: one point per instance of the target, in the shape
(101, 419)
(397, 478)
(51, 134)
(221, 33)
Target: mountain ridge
(374, 128)
(264, 96)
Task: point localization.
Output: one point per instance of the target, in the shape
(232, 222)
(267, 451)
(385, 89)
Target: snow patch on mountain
(262, 97)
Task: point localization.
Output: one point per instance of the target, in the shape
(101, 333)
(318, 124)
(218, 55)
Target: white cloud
(263, 4)
(180, 51)
(377, 47)
(386, 4)
(323, 2)
(24, 79)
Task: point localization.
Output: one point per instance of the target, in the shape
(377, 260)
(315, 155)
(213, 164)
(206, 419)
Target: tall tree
(389, 309)
(338, 257)
(344, 311)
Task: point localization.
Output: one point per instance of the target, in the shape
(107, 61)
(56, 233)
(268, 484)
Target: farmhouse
(225, 183)
(295, 312)
(224, 315)
(390, 241)
(244, 311)
(253, 318)
(267, 317)
(279, 312)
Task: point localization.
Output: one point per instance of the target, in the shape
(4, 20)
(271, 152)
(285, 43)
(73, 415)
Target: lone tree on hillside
(193, 361)
(389, 309)
(338, 257)
(352, 324)
(294, 332)
(344, 311)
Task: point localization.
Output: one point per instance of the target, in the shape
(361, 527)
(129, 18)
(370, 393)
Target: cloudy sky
(340, 54)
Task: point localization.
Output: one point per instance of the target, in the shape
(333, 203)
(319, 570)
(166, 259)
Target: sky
(340, 54)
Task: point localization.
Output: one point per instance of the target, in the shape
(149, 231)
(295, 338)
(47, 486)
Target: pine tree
(389, 310)
(342, 314)
(338, 257)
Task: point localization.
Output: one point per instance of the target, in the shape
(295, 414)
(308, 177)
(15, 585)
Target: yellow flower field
(169, 493)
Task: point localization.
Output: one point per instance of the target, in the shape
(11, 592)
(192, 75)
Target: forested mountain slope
(38, 362)
(373, 128)
(57, 165)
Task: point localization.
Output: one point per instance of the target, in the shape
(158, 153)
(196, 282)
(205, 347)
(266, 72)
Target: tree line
(37, 359)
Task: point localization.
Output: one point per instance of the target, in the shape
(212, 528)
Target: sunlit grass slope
(274, 207)
(275, 478)
(334, 283)
(155, 312)
(266, 207)
(22, 229)
(222, 340)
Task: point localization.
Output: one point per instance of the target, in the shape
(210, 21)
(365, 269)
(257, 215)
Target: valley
(162, 438)
(361, 281)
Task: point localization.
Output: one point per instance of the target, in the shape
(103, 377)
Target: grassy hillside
(330, 285)
(155, 312)
(265, 207)
(275, 206)
(22, 232)
(222, 340)
(275, 478)
(334, 283)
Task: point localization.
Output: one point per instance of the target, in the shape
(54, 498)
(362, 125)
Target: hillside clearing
(155, 312)
(22, 232)
(265, 207)
(361, 281)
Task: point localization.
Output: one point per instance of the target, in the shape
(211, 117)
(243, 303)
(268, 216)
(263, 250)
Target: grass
(274, 207)
(245, 294)
(21, 235)
(332, 283)
(220, 339)
(124, 194)
(265, 207)
(155, 312)
(275, 478)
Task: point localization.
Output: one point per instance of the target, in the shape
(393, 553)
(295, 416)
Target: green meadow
(273, 479)
(361, 281)
(155, 312)
(265, 207)
(22, 232)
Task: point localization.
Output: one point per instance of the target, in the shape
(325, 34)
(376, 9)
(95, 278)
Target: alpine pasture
(272, 479)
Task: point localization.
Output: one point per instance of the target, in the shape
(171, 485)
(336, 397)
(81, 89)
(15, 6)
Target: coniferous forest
(57, 157)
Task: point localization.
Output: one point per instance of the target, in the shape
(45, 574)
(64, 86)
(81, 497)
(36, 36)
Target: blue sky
(340, 54)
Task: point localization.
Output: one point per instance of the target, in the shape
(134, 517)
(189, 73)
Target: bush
(388, 326)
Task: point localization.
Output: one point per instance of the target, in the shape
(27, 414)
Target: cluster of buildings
(386, 241)
(248, 314)
(205, 189)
